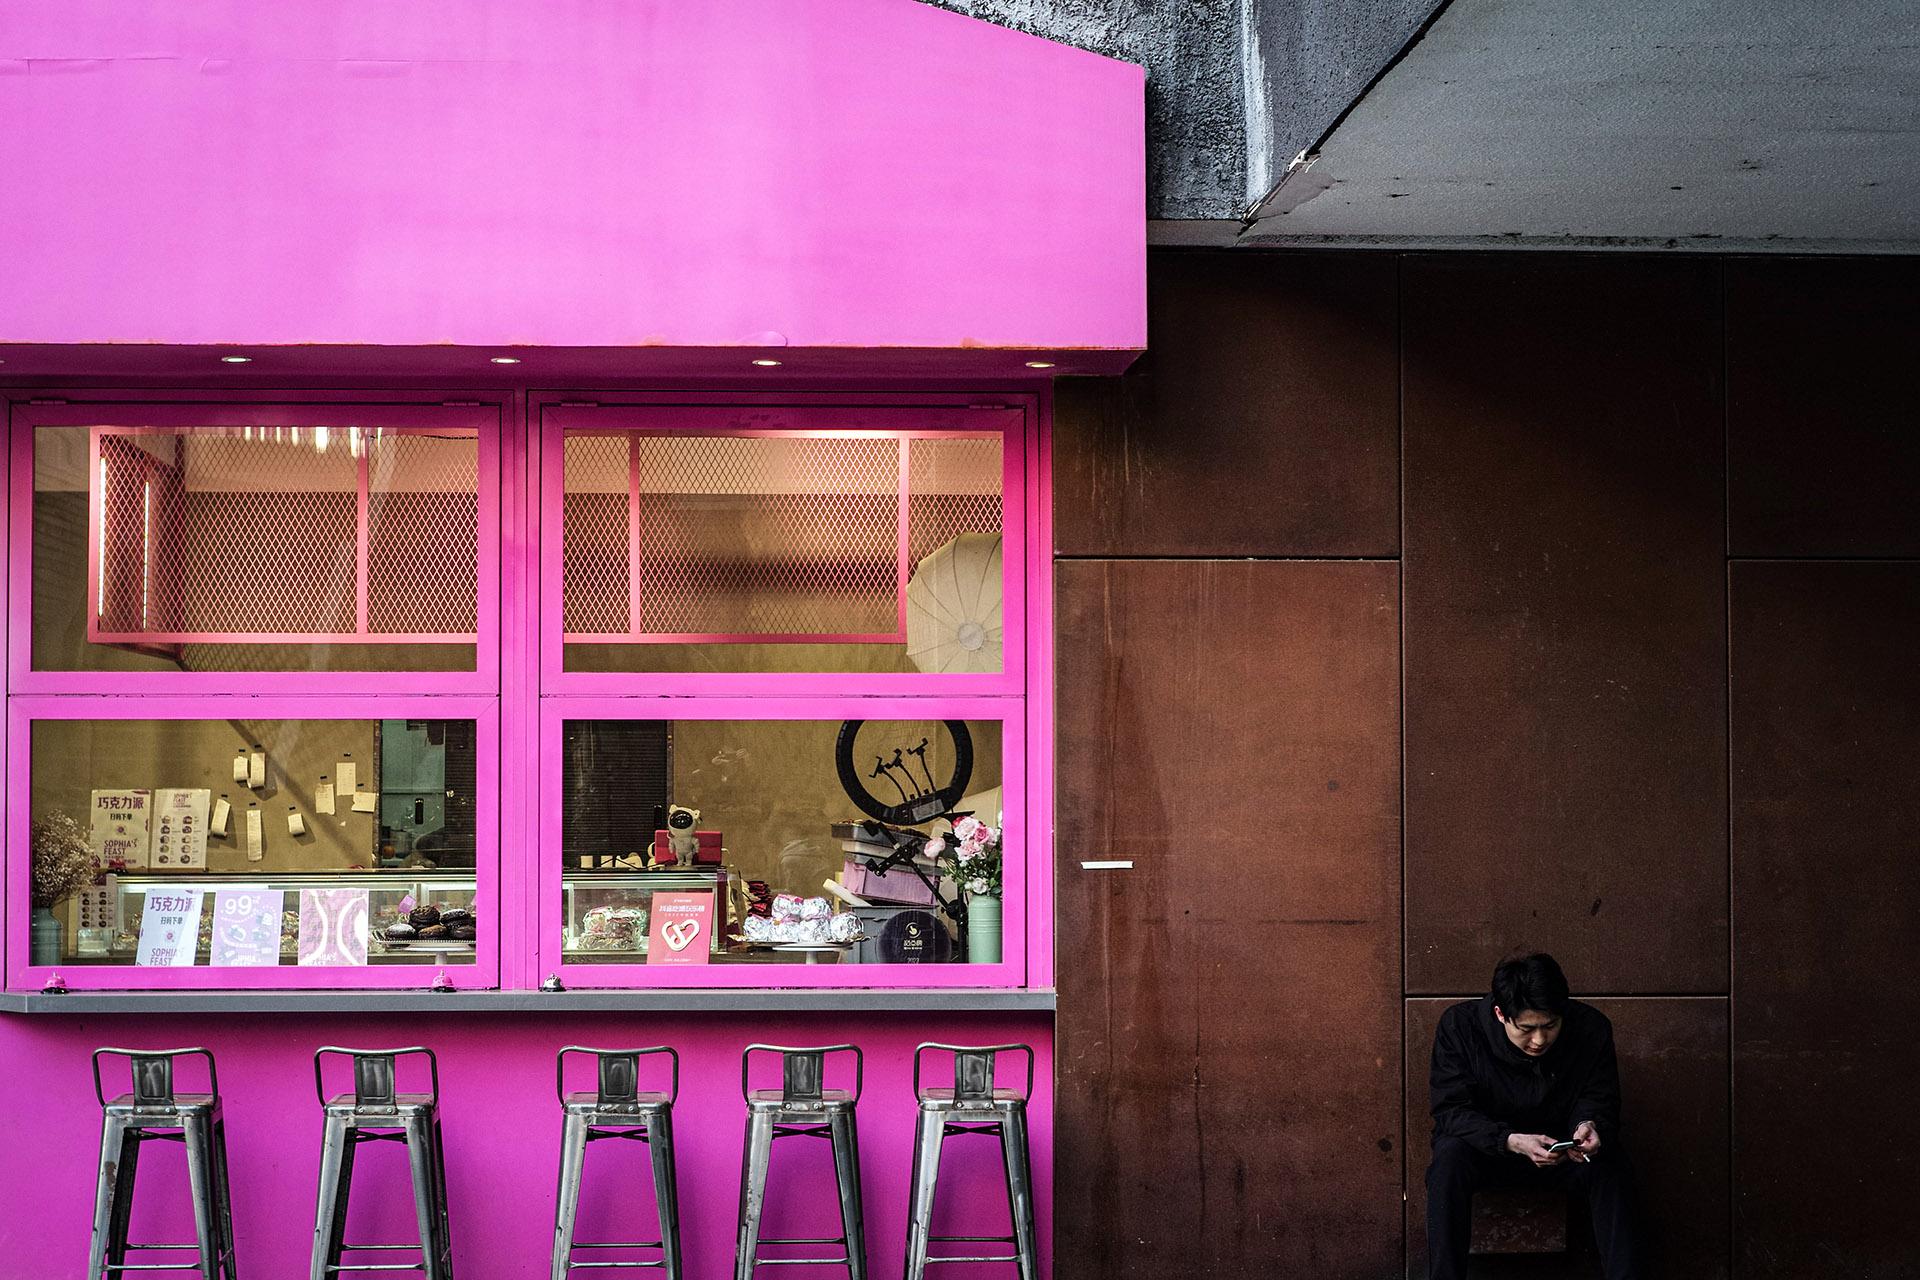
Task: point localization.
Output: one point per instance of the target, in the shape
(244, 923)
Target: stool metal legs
(426, 1165)
(666, 1192)
(756, 1155)
(580, 1129)
(931, 1131)
(846, 1177)
(205, 1138)
(837, 1125)
(330, 1205)
(1019, 1162)
(573, 1158)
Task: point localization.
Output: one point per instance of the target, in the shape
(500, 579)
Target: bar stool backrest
(152, 1072)
(617, 1083)
(974, 1068)
(803, 1072)
(374, 1075)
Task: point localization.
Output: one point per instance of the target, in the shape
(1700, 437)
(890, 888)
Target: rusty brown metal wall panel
(1565, 622)
(1263, 422)
(1826, 733)
(1673, 1079)
(1823, 457)
(1228, 1041)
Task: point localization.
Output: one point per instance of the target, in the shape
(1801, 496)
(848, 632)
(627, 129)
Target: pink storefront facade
(553, 414)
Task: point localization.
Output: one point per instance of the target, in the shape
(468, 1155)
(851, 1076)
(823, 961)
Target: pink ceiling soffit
(652, 173)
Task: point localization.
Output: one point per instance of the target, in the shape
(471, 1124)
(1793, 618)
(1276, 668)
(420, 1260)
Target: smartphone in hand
(1558, 1147)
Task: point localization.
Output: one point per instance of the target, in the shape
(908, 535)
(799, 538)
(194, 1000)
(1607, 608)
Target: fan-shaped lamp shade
(953, 606)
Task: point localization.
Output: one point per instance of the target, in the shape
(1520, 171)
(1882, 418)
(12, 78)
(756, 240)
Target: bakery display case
(609, 913)
(408, 918)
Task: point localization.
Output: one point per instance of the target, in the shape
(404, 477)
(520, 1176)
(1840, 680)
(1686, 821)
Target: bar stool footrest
(801, 1262)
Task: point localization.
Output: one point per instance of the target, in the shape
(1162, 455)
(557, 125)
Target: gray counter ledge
(679, 1000)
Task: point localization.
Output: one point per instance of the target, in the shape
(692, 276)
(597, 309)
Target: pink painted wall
(687, 173)
(502, 1128)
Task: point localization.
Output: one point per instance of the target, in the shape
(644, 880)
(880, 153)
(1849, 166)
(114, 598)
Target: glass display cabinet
(267, 927)
(608, 914)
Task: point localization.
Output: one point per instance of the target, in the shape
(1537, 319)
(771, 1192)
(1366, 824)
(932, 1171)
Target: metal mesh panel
(423, 534)
(748, 537)
(267, 536)
(124, 594)
(278, 563)
(756, 535)
(953, 487)
(208, 536)
(594, 534)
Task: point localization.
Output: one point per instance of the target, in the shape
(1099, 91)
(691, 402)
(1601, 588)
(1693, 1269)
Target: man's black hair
(1530, 982)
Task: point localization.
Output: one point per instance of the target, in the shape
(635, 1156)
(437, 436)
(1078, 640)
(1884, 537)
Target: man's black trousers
(1459, 1170)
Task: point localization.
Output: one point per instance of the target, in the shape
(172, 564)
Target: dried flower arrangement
(62, 860)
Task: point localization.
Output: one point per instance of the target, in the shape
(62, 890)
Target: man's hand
(1534, 1147)
(1589, 1139)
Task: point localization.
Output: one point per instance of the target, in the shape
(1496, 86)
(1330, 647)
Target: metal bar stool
(151, 1112)
(973, 1105)
(376, 1112)
(616, 1108)
(802, 1107)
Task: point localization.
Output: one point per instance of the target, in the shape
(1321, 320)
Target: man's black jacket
(1483, 1088)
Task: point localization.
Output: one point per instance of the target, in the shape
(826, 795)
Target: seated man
(1513, 1073)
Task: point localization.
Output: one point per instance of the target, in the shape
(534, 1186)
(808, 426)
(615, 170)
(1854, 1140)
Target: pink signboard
(685, 173)
(681, 930)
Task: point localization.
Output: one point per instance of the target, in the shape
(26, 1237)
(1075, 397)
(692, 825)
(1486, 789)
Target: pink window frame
(24, 710)
(134, 415)
(1023, 864)
(842, 416)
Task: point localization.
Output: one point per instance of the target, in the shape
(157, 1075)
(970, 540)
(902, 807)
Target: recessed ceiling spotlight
(767, 364)
(236, 359)
(1039, 364)
(506, 359)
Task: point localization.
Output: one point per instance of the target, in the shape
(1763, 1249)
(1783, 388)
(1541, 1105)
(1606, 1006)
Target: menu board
(122, 829)
(180, 828)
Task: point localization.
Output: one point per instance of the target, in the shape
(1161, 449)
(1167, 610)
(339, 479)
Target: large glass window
(259, 840)
(862, 541)
(801, 840)
(760, 660)
(171, 539)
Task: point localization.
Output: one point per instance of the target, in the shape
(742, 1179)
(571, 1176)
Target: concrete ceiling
(1739, 125)
(1691, 124)
(1235, 88)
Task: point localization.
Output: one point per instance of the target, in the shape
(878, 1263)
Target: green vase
(48, 933)
(983, 929)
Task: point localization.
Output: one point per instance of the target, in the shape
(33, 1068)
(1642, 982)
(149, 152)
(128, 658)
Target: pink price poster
(681, 930)
(246, 927)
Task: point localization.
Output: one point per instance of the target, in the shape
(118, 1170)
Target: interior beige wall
(72, 758)
(60, 535)
(771, 789)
